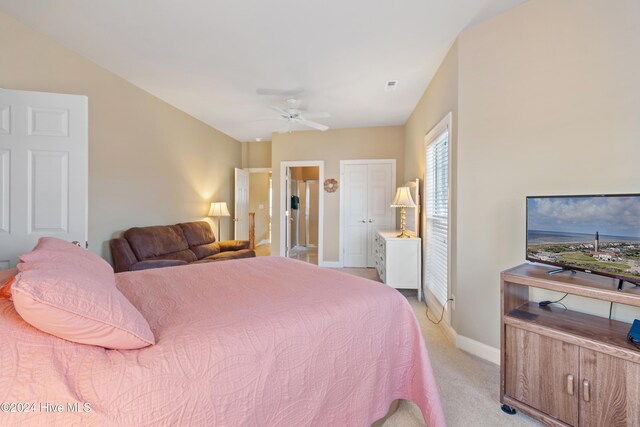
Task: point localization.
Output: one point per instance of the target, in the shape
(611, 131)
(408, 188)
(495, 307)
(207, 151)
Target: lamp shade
(219, 209)
(403, 198)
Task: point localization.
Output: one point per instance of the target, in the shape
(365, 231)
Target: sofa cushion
(204, 251)
(233, 245)
(243, 253)
(197, 233)
(187, 255)
(152, 242)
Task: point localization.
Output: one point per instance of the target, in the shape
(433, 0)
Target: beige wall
(439, 99)
(547, 104)
(256, 154)
(331, 147)
(259, 195)
(149, 163)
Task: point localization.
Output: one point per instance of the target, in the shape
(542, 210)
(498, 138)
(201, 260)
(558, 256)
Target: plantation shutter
(437, 217)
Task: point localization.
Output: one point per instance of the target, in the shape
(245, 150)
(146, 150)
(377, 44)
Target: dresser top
(393, 235)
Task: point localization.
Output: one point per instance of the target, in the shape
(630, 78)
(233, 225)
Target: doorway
(260, 203)
(301, 228)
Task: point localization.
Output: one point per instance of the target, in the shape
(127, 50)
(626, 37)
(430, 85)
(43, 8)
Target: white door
(288, 211)
(368, 192)
(241, 211)
(355, 215)
(380, 214)
(43, 170)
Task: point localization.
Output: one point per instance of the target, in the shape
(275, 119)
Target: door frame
(340, 263)
(283, 204)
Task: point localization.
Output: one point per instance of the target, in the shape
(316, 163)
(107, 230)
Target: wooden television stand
(562, 367)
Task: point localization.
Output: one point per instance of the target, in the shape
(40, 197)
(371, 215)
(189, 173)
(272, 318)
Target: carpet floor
(469, 386)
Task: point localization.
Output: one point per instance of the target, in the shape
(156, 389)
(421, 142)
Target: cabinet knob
(362, 221)
(570, 384)
(586, 392)
(372, 220)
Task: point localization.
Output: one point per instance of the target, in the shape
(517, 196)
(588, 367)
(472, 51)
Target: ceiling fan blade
(279, 111)
(319, 115)
(311, 124)
(278, 92)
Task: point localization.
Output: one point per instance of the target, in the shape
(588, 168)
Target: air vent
(391, 85)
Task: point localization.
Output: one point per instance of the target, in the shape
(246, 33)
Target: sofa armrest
(122, 254)
(233, 245)
(157, 263)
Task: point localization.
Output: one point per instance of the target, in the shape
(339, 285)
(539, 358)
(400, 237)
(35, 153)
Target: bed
(254, 342)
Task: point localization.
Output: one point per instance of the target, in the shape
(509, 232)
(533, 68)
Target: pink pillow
(6, 279)
(63, 252)
(62, 296)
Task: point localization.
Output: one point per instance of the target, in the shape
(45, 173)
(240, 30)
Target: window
(437, 214)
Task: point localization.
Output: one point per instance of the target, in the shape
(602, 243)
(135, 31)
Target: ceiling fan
(293, 115)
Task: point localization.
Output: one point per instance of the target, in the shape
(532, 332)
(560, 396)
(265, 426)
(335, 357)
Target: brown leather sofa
(170, 245)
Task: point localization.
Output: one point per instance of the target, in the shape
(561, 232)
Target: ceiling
(208, 57)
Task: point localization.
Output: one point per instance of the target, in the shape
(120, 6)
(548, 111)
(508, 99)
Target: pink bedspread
(253, 342)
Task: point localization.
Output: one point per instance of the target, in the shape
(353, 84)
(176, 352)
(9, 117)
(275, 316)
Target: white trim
(446, 124)
(283, 203)
(330, 264)
(257, 170)
(479, 349)
(341, 201)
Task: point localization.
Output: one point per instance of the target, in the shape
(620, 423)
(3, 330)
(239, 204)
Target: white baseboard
(330, 264)
(479, 349)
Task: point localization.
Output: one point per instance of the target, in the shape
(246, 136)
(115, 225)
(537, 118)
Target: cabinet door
(609, 390)
(539, 373)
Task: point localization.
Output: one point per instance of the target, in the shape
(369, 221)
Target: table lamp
(403, 201)
(217, 210)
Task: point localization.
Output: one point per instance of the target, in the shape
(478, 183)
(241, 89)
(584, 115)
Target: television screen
(598, 234)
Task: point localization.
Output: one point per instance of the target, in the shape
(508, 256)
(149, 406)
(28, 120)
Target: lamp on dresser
(217, 210)
(403, 201)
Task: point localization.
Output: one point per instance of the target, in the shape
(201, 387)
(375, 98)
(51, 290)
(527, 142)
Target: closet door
(379, 211)
(355, 208)
(368, 188)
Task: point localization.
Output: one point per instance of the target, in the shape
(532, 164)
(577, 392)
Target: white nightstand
(398, 260)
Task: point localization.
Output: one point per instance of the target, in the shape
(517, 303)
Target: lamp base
(403, 217)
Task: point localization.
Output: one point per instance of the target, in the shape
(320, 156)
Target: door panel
(537, 373)
(613, 395)
(379, 197)
(48, 195)
(241, 205)
(43, 170)
(355, 215)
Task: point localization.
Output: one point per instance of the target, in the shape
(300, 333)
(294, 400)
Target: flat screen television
(598, 234)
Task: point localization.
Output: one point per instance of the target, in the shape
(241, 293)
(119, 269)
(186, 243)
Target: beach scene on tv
(601, 234)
